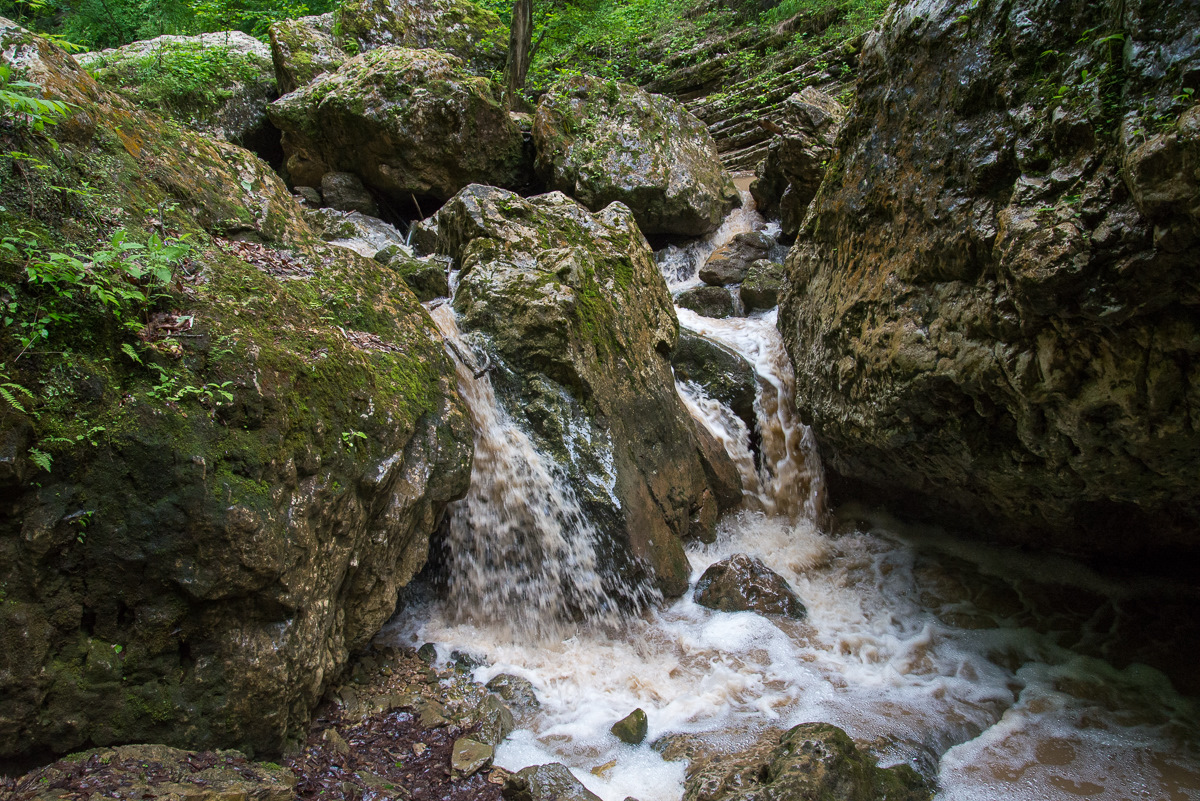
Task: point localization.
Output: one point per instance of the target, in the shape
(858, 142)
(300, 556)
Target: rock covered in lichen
(576, 310)
(303, 50)
(992, 308)
(237, 492)
(601, 141)
(217, 83)
(408, 122)
(473, 33)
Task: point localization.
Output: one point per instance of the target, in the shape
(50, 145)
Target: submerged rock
(788, 179)
(632, 728)
(552, 782)
(708, 301)
(303, 50)
(408, 122)
(601, 141)
(459, 27)
(992, 313)
(581, 328)
(246, 534)
(742, 583)
(724, 374)
(216, 83)
(810, 762)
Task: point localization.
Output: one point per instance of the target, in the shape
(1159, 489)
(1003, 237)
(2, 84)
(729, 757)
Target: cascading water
(979, 667)
(520, 553)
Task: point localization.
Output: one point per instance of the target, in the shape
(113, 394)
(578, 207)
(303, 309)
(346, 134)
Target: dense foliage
(95, 24)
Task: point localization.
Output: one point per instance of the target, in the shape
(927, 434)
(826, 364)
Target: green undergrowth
(184, 78)
(643, 40)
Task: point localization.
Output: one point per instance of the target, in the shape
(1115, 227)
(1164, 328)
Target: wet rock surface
(708, 301)
(760, 289)
(581, 327)
(238, 548)
(231, 104)
(992, 310)
(407, 122)
(742, 583)
(729, 263)
(632, 728)
(788, 178)
(603, 141)
(724, 375)
(552, 782)
(810, 762)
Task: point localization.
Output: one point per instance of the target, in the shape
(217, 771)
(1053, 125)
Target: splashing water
(680, 264)
(520, 552)
(945, 654)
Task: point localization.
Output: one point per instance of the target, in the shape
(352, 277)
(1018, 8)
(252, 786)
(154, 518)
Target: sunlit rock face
(992, 304)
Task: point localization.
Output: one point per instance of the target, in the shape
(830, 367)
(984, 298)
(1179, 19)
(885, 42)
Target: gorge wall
(992, 305)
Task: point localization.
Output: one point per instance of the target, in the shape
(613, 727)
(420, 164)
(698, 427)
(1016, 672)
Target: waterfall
(520, 553)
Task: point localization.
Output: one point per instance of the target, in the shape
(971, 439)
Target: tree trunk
(520, 39)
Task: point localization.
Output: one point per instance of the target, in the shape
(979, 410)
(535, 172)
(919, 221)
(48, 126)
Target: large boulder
(303, 50)
(207, 515)
(729, 263)
(473, 33)
(408, 122)
(787, 180)
(579, 316)
(217, 83)
(602, 141)
(810, 762)
(992, 310)
(724, 374)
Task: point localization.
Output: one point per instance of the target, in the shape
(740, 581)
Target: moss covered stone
(408, 122)
(195, 569)
(218, 83)
(471, 32)
(303, 49)
(601, 141)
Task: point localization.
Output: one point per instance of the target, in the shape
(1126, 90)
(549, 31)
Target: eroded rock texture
(232, 509)
(582, 327)
(992, 308)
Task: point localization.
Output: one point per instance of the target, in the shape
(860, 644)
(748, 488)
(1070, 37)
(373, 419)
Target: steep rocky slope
(208, 504)
(992, 307)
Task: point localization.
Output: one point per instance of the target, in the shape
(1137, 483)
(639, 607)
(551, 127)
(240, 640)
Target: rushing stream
(981, 667)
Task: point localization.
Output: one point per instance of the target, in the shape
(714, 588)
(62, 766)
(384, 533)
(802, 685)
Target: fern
(41, 459)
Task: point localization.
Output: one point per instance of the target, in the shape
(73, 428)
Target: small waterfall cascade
(520, 552)
(987, 670)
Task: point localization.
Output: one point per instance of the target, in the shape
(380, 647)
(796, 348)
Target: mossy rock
(217, 83)
(601, 141)
(408, 122)
(471, 32)
(234, 499)
(303, 50)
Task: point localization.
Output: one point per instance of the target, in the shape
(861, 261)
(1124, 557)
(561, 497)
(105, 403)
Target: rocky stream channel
(473, 453)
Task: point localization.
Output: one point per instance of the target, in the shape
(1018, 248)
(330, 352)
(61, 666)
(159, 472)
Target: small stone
(427, 653)
(632, 728)
(336, 741)
(469, 757)
(602, 770)
(496, 721)
(729, 263)
(760, 290)
(518, 692)
(419, 748)
(432, 714)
